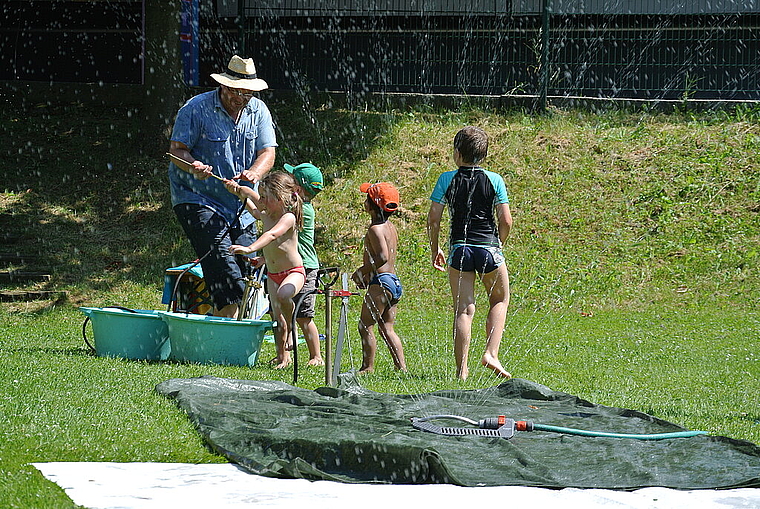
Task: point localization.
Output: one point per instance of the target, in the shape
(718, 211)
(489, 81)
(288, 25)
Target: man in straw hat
(228, 133)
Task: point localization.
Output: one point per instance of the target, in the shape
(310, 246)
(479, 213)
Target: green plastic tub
(137, 334)
(214, 339)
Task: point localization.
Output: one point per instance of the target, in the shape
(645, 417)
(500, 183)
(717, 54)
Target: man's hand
(200, 170)
(261, 165)
(248, 176)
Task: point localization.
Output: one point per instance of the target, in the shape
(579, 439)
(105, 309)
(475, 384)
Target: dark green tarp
(351, 434)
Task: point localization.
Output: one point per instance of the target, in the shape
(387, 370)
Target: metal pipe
(545, 14)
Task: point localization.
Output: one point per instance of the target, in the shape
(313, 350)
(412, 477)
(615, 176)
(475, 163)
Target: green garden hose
(503, 427)
(635, 436)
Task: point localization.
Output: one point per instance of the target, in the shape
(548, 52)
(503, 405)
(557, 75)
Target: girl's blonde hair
(283, 187)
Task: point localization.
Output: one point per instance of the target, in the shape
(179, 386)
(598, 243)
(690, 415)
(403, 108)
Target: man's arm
(434, 230)
(504, 217)
(199, 169)
(261, 166)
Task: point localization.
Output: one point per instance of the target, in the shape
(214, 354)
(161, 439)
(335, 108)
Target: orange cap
(383, 194)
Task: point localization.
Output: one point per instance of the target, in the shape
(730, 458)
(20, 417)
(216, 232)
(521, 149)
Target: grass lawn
(633, 263)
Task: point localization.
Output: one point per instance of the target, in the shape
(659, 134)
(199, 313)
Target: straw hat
(241, 73)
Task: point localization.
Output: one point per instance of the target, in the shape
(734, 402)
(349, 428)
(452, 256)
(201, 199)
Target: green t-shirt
(306, 238)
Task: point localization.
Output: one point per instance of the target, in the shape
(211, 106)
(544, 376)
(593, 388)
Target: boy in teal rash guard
(310, 181)
(473, 195)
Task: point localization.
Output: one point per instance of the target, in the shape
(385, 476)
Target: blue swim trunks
(391, 283)
(475, 259)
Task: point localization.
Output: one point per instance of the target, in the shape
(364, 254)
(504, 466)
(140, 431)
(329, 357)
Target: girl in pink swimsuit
(279, 207)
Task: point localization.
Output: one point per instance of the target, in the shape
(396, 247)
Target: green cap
(308, 176)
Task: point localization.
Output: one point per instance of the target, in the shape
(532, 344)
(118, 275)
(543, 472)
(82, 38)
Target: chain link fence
(648, 49)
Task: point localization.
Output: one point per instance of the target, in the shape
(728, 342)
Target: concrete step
(19, 276)
(6, 239)
(31, 295)
(18, 258)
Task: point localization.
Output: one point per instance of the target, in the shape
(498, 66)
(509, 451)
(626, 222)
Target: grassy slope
(633, 262)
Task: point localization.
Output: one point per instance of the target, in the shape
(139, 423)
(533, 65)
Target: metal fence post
(544, 85)
(241, 28)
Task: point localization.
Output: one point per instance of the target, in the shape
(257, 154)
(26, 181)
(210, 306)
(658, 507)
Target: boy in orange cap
(378, 275)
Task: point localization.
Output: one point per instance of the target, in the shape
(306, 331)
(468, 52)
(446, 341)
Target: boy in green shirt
(310, 182)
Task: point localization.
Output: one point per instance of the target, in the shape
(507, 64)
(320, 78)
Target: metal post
(241, 28)
(328, 338)
(329, 294)
(544, 55)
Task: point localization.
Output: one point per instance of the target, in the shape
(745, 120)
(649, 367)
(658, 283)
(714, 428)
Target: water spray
(504, 427)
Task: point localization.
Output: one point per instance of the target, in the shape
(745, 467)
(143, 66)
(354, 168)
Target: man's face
(237, 97)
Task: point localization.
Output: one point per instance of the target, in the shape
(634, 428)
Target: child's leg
(463, 293)
(496, 283)
(305, 317)
(281, 333)
(373, 308)
(369, 344)
(386, 328)
(289, 287)
(311, 335)
(284, 293)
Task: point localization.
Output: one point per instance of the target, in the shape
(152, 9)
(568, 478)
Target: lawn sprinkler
(503, 427)
(327, 277)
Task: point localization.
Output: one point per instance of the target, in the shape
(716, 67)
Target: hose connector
(492, 422)
(524, 425)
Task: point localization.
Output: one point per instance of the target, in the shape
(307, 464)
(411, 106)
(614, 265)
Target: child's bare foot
(365, 371)
(493, 363)
(463, 373)
(316, 361)
(283, 364)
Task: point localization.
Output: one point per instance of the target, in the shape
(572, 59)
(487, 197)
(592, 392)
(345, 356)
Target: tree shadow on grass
(85, 197)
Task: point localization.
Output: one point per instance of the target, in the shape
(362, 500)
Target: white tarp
(162, 485)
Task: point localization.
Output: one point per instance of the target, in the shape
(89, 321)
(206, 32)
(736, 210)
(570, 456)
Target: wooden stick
(187, 166)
